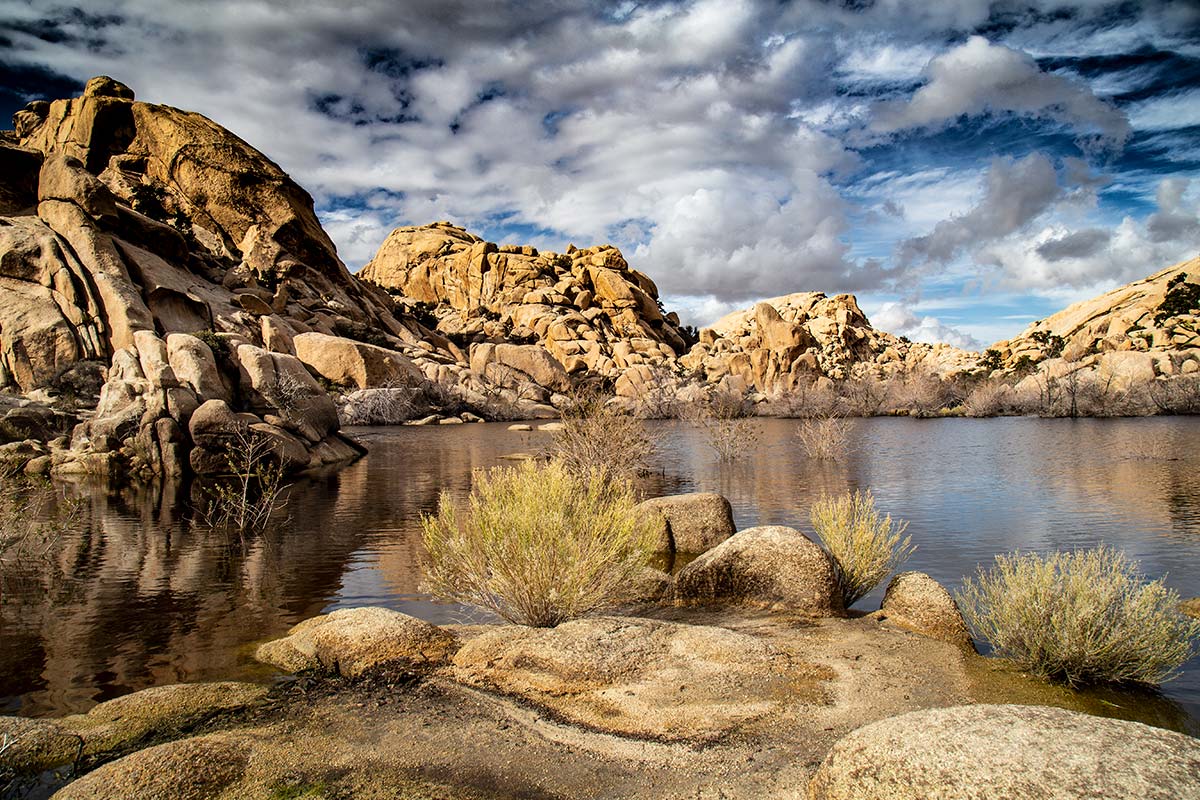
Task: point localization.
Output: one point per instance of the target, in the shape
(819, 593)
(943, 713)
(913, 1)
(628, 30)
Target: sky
(964, 168)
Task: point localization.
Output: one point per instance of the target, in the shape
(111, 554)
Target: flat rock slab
(639, 677)
(1005, 752)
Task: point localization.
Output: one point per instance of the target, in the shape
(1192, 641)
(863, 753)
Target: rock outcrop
(1008, 753)
(1135, 333)
(587, 307)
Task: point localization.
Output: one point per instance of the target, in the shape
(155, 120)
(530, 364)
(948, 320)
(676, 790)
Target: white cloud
(899, 319)
(979, 77)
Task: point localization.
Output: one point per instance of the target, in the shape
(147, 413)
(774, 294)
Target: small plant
(725, 419)
(824, 439)
(34, 517)
(253, 492)
(865, 546)
(1181, 298)
(992, 360)
(1050, 344)
(147, 199)
(538, 545)
(594, 436)
(1081, 617)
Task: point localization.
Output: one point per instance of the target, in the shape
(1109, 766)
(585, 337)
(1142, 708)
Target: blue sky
(963, 167)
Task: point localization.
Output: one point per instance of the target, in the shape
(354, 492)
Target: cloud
(899, 319)
(1015, 193)
(979, 77)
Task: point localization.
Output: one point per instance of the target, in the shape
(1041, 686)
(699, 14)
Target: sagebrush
(824, 439)
(537, 544)
(866, 546)
(1080, 617)
(595, 435)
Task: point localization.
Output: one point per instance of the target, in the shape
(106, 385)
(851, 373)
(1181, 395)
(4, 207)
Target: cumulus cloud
(899, 319)
(980, 77)
(1015, 192)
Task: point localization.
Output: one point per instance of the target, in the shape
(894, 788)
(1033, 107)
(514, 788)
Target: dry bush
(538, 544)
(1179, 395)
(725, 418)
(990, 398)
(1085, 616)
(862, 395)
(865, 546)
(807, 399)
(34, 517)
(253, 493)
(594, 435)
(920, 392)
(659, 395)
(390, 404)
(825, 439)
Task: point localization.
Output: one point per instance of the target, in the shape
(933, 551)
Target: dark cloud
(1079, 244)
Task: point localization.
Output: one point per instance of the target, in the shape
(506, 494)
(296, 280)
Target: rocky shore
(721, 683)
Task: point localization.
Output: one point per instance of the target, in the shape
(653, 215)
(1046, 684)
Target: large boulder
(355, 641)
(915, 601)
(346, 362)
(276, 383)
(508, 364)
(771, 566)
(640, 677)
(1008, 753)
(693, 522)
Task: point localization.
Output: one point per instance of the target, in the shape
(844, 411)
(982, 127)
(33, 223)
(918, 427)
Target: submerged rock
(1008, 753)
(915, 601)
(693, 522)
(354, 641)
(772, 566)
(640, 677)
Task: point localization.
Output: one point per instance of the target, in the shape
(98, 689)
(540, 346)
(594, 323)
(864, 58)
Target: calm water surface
(136, 598)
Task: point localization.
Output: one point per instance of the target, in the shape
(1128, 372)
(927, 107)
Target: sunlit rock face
(1137, 332)
(588, 308)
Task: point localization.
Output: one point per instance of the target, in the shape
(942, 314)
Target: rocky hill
(784, 341)
(1143, 330)
(591, 311)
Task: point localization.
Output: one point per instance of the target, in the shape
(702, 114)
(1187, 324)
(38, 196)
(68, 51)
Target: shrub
(826, 439)
(1181, 298)
(990, 398)
(34, 517)
(538, 544)
(253, 493)
(865, 547)
(724, 418)
(1085, 616)
(594, 436)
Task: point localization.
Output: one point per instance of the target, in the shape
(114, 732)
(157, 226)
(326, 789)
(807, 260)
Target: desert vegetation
(595, 435)
(34, 516)
(866, 546)
(726, 419)
(251, 496)
(1080, 617)
(537, 544)
(824, 438)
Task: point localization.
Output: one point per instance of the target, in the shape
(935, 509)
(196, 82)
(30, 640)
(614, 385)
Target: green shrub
(865, 546)
(538, 544)
(1084, 616)
(1181, 298)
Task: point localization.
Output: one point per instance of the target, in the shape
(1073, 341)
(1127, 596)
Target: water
(136, 598)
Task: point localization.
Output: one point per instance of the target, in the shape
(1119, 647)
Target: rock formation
(1135, 333)
(588, 308)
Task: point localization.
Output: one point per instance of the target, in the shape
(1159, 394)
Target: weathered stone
(346, 362)
(188, 769)
(695, 522)
(771, 566)
(1008, 753)
(915, 601)
(355, 641)
(638, 677)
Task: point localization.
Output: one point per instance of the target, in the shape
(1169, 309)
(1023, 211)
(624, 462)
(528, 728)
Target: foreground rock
(915, 601)
(1008, 753)
(689, 523)
(354, 641)
(639, 677)
(190, 769)
(771, 566)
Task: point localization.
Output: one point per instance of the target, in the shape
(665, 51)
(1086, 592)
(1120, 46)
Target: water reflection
(147, 600)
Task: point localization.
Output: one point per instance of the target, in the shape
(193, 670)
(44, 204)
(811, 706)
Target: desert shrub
(1181, 298)
(538, 544)
(989, 399)
(34, 517)
(807, 399)
(865, 546)
(862, 395)
(1050, 344)
(725, 418)
(1084, 616)
(252, 494)
(992, 360)
(1179, 395)
(360, 332)
(919, 392)
(595, 436)
(391, 404)
(826, 439)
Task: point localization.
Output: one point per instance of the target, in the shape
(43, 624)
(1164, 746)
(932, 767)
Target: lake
(137, 598)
